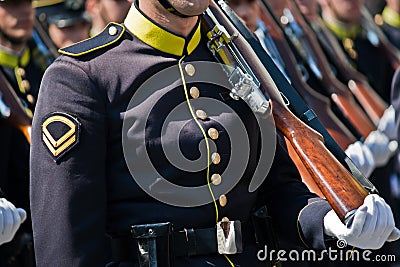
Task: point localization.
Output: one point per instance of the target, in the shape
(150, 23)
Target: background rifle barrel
(18, 116)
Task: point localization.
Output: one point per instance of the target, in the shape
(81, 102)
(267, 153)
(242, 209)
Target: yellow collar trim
(342, 32)
(12, 61)
(391, 17)
(159, 38)
(43, 3)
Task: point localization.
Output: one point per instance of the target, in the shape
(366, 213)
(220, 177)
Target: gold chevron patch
(60, 132)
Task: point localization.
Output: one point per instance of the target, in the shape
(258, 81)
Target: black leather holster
(154, 244)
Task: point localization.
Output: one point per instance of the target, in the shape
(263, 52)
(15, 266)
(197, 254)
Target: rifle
(12, 108)
(307, 46)
(316, 101)
(43, 42)
(371, 102)
(297, 105)
(342, 191)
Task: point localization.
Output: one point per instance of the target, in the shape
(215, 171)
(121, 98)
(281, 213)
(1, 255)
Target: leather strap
(186, 243)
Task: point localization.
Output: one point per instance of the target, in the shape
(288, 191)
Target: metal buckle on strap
(229, 237)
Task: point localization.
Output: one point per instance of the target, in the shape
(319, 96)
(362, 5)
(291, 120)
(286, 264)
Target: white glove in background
(10, 220)
(387, 123)
(362, 157)
(381, 147)
(372, 225)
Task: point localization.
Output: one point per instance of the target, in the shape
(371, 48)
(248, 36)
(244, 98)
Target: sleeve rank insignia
(60, 133)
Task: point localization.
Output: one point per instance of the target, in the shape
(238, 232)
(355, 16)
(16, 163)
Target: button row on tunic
(212, 133)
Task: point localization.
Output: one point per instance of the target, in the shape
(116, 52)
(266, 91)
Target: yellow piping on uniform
(62, 51)
(157, 37)
(207, 145)
(43, 3)
(204, 135)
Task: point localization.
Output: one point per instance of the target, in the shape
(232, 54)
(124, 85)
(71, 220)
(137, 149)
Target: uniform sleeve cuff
(310, 223)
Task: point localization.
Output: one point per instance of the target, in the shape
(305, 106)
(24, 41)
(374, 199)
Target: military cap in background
(62, 13)
(15, 1)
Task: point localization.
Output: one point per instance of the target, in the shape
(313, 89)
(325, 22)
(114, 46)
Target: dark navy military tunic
(84, 190)
(366, 52)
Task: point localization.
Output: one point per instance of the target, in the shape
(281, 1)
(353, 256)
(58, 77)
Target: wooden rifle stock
(18, 116)
(342, 191)
(333, 88)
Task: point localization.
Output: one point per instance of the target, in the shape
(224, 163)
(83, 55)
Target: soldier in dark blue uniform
(362, 46)
(102, 12)
(103, 134)
(66, 22)
(22, 65)
(389, 21)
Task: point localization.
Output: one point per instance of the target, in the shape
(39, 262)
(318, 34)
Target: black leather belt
(190, 242)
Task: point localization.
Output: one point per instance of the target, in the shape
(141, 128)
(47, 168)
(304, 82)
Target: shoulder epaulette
(111, 34)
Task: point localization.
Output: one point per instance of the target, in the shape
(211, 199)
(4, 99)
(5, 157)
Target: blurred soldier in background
(389, 21)
(65, 21)
(375, 6)
(362, 45)
(104, 11)
(21, 68)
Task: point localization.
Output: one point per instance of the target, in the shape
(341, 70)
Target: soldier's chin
(193, 11)
(18, 39)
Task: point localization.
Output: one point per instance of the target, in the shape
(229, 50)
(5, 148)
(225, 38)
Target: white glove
(387, 123)
(10, 220)
(381, 147)
(362, 157)
(371, 227)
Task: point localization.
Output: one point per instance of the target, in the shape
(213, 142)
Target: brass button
(26, 85)
(378, 19)
(215, 158)
(201, 114)
(21, 72)
(190, 70)
(223, 200)
(353, 53)
(216, 179)
(213, 133)
(112, 30)
(30, 98)
(194, 92)
(225, 219)
(348, 43)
